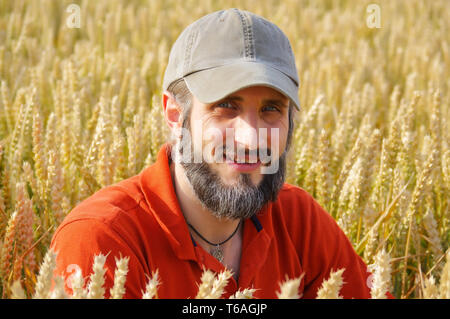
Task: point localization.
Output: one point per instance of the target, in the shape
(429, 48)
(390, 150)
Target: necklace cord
(212, 244)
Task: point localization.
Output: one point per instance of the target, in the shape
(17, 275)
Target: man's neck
(210, 227)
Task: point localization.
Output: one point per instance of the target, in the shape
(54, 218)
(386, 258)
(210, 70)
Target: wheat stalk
(77, 283)
(331, 287)
(120, 275)
(151, 289)
(244, 294)
(289, 289)
(44, 279)
(444, 284)
(382, 275)
(97, 278)
(85, 111)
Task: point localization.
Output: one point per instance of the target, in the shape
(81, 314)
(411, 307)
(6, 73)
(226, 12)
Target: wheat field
(80, 109)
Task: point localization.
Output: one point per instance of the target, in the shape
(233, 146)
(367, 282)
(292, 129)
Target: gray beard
(242, 200)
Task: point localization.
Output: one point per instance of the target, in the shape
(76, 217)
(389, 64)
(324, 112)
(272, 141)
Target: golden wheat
(80, 109)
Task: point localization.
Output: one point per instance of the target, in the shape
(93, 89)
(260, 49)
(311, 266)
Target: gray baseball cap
(229, 50)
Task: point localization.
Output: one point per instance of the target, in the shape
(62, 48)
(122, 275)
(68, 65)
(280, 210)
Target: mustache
(248, 152)
(264, 155)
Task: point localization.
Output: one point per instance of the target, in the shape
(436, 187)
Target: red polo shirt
(140, 217)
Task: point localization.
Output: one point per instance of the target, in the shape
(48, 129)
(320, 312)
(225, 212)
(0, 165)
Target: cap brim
(214, 84)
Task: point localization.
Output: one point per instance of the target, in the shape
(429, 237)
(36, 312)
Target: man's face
(228, 137)
(252, 121)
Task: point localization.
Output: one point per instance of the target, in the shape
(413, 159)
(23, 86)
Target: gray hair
(182, 95)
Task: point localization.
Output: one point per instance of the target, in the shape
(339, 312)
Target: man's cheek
(197, 140)
(213, 145)
(269, 159)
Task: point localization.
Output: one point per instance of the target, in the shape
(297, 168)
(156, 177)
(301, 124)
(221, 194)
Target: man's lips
(243, 166)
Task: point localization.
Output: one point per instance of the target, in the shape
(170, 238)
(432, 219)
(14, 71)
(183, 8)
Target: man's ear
(172, 112)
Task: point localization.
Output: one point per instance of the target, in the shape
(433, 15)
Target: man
(216, 197)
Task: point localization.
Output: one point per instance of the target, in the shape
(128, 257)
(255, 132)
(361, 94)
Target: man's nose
(246, 133)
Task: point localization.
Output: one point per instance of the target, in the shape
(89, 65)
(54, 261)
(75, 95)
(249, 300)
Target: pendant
(217, 253)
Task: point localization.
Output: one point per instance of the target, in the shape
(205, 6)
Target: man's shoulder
(293, 191)
(294, 196)
(109, 203)
(298, 205)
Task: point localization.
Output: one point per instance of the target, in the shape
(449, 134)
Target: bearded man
(216, 197)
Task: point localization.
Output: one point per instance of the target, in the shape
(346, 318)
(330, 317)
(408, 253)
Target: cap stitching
(248, 37)
(187, 56)
(226, 64)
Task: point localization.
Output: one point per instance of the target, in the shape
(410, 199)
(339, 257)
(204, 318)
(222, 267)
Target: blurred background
(80, 109)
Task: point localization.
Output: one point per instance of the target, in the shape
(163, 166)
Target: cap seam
(251, 61)
(188, 52)
(251, 36)
(249, 50)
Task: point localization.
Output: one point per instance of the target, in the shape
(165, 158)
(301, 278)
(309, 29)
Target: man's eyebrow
(279, 102)
(275, 101)
(233, 98)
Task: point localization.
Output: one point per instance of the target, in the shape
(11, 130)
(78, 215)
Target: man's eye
(271, 108)
(225, 105)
